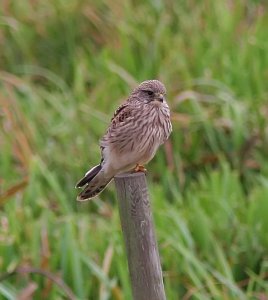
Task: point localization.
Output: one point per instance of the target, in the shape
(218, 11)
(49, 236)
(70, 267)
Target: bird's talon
(140, 168)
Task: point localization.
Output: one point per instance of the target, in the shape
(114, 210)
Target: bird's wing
(120, 119)
(122, 112)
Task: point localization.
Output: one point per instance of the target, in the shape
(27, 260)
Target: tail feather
(94, 181)
(90, 191)
(88, 176)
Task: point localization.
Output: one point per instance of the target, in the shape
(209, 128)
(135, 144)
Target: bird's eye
(150, 93)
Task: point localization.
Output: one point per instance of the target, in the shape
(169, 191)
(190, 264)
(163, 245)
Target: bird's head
(150, 91)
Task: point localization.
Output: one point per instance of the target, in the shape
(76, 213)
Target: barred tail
(94, 182)
(88, 176)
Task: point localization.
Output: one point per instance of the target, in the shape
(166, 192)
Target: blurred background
(65, 66)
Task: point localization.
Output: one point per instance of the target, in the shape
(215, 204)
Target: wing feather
(119, 119)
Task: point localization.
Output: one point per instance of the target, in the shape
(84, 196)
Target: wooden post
(138, 230)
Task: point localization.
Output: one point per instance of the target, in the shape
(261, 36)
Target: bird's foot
(140, 168)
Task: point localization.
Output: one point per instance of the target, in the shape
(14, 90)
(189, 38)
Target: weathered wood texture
(138, 230)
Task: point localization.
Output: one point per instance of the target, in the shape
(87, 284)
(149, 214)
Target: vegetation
(65, 67)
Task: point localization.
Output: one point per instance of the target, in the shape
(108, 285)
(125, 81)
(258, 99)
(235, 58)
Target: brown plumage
(139, 126)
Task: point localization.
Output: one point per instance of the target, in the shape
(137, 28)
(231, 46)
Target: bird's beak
(160, 98)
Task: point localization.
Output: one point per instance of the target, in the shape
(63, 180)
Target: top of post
(129, 175)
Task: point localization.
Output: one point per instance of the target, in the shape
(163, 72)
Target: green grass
(64, 68)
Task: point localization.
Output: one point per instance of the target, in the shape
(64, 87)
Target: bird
(139, 126)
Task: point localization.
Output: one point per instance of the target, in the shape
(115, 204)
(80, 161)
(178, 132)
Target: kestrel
(139, 126)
